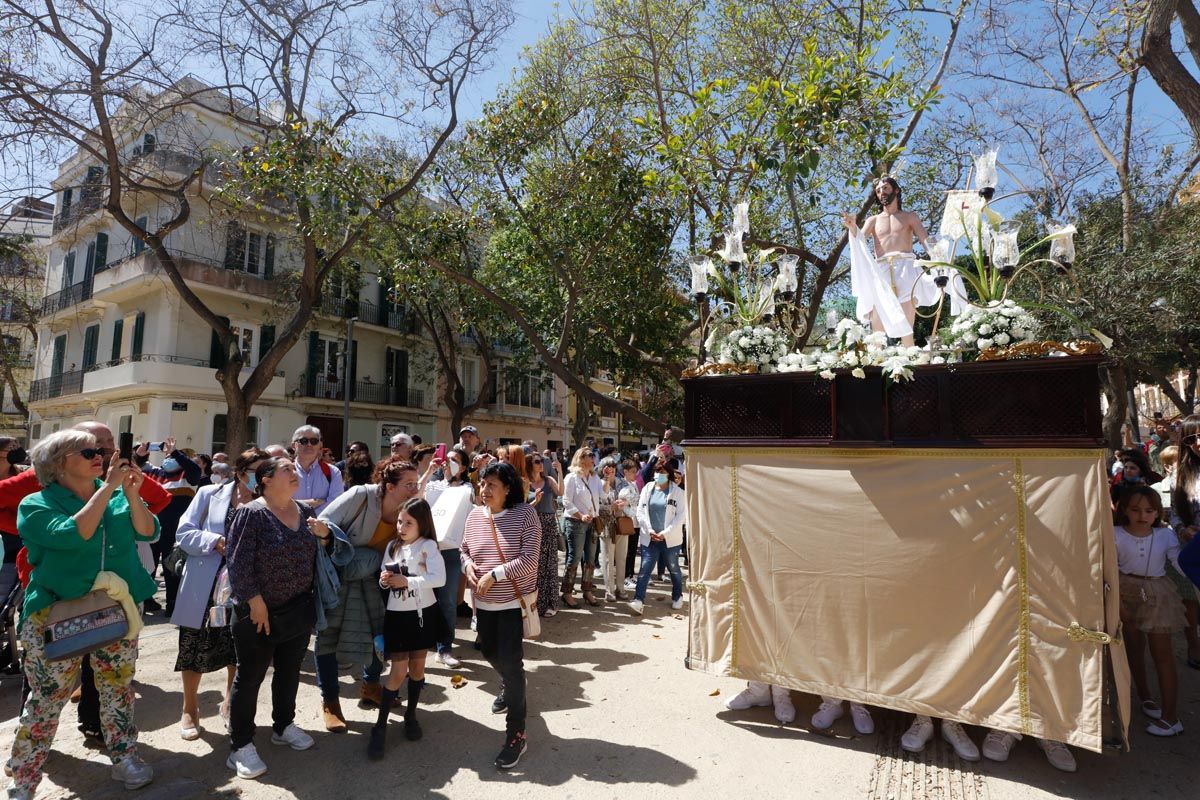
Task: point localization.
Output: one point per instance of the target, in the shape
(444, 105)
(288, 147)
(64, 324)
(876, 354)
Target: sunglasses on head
(306, 441)
(1190, 439)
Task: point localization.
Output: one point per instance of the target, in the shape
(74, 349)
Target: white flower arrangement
(753, 344)
(998, 324)
(855, 348)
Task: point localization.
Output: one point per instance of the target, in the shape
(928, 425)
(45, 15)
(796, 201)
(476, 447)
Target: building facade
(117, 343)
(26, 225)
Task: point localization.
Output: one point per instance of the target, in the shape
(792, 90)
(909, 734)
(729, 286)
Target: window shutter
(100, 257)
(67, 197)
(314, 362)
(91, 344)
(216, 353)
(138, 244)
(118, 329)
(148, 144)
(400, 376)
(60, 355)
(68, 270)
(235, 246)
(266, 340)
(269, 257)
(139, 330)
(89, 263)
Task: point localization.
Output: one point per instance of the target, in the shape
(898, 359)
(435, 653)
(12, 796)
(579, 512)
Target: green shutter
(91, 344)
(314, 362)
(235, 246)
(269, 257)
(100, 257)
(139, 330)
(118, 329)
(266, 340)
(89, 262)
(253, 252)
(60, 354)
(138, 244)
(216, 353)
(68, 270)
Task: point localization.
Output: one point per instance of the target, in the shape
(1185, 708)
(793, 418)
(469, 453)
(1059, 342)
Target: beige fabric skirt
(1151, 605)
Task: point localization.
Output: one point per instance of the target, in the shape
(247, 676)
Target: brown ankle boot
(588, 588)
(370, 695)
(335, 720)
(568, 588)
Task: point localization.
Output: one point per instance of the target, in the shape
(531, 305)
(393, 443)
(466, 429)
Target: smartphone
(393, 568)
(125, 447)
(157, 447)
(439, 453)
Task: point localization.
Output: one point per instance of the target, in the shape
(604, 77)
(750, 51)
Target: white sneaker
(293, 737)
(998, 744)
(630, 584)
(918, 734)
(781, 697)
(954, 734)
(246, 763)
(828, 713)
(677, 604)
(132, 771)
(13, 792)
(755, 694)
(1058, 754)
(863, 722)
(609, 597)
(447, 660)
(636, 606)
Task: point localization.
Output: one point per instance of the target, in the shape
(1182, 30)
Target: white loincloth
(882, 284)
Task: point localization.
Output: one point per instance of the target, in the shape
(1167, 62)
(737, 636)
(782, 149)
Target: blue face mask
(660, 478)
(251, 481)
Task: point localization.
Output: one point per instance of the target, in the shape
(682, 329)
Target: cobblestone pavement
(614, 714)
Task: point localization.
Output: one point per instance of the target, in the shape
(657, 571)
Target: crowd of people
(278, 549)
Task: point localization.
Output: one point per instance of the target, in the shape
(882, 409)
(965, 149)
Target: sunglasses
(537, 461)
(397, 445)
(313, 442)
(91, 452)
(1190, 439)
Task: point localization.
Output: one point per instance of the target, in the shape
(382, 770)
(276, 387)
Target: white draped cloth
(882, 284)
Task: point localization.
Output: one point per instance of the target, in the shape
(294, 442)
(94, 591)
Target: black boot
(412, 728)
(378, 742)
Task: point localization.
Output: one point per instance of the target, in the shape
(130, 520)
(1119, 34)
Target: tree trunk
(1116, 391)
(1168, 71)
(582, 421)
(237, 414)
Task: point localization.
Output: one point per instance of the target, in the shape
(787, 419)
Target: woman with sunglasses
(204, 646)
(581, 505)
(545, 490)
(80, 524)
(662, 512)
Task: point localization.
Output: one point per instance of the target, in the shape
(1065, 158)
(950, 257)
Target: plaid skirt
(1151, 605)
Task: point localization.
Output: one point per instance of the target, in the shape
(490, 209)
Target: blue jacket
(326, 578)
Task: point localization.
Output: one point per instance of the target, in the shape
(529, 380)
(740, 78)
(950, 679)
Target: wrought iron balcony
(76, 293)
(364, 392)
(398, 319)
(56, 386)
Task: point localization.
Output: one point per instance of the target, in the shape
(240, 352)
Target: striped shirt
(520, 534)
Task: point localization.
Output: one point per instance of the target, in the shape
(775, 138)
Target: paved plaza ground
(614, 714)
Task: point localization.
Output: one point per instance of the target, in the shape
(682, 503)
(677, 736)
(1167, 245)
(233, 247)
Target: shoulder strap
(325, 470)
(504, 558)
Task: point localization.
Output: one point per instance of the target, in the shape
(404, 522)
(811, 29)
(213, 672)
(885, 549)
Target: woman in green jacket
(80, 512)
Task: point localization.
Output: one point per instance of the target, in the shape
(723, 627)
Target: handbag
(88, 623)
(531, 624)
(175, 560)
(625, 526)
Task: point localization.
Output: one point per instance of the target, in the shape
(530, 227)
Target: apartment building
(613, 429)
(28, 222)
(117, 343)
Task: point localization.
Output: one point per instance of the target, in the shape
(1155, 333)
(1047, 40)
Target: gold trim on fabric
(942, 453)
(736, 521)
(1022, 599)
(1078, 633)
(696, 587)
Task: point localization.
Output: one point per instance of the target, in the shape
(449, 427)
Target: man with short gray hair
(320, 482)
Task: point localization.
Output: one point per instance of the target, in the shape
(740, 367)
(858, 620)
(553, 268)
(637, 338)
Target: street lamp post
(347, 355)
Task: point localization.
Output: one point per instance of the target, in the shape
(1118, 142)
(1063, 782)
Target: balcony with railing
(65, 298)
(134, 374)
(380, 394)
(90, 199)
(65, 383)
(394, 318)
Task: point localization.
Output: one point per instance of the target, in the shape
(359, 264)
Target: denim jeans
(581, 542)
(327, 673)
(447, 597)
(650, 556)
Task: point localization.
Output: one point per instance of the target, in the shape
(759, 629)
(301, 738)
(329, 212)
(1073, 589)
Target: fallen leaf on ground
(655, 636)
(677, 616)
(458, 681)
(714, 693)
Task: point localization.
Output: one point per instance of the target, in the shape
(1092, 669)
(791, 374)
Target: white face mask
(660, 478)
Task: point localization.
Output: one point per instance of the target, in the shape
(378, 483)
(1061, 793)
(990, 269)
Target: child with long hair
(412, 625)
(1150, 607)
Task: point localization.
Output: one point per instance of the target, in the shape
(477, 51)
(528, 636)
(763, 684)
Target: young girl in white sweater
(412, 625)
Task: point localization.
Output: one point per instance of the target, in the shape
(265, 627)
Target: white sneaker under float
(918, 734)
(956, 737)
(829, 712)
(755, 694)
(132, 771)
(997, 745)
(1058, 754)
(246, 763)
(781, 698)
(293, 737)
(864, 723)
